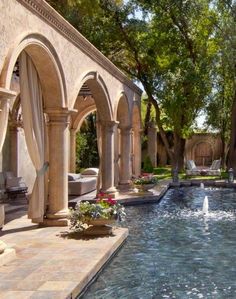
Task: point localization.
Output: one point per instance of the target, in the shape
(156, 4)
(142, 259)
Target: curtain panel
(4, 112)
(33, 122)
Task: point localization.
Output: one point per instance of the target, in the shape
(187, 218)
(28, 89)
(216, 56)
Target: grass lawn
(165, 173)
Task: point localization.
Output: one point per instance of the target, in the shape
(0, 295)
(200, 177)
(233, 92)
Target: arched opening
(203, 154)
(42, 67)
(93, 96)
(83, 132)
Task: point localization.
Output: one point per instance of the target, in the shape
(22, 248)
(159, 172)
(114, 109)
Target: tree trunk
(179, 147)
(147, 117)
(223, 163)
(158, 122)
(232, 143)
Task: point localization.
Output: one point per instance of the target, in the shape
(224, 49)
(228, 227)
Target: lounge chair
(11, 185)
(192, 168)
(213, 170)
(84, 182)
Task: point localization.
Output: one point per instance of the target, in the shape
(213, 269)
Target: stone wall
(208, 143)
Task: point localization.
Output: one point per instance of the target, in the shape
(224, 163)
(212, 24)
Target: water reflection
(174, 251)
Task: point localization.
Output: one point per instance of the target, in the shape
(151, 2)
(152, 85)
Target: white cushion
(73, 176)
(193, 165)
(215, 164)
(90, 171)
(15, 182)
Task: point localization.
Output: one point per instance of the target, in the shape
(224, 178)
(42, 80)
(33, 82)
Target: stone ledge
(121, 234)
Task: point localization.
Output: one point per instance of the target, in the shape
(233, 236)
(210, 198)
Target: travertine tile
(57, 286)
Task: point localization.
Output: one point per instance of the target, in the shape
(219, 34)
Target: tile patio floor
(49, 264)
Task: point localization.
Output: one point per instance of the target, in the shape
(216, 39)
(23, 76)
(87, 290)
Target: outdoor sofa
(84, 182)
(193, 170)
(12, 185)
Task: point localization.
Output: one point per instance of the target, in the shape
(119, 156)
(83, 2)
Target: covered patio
(45, 64)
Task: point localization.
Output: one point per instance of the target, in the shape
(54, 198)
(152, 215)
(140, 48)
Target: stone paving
(50, 263)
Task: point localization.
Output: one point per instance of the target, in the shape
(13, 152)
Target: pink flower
(111, 201)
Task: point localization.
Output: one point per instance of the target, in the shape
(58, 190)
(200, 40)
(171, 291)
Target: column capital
(152, 125)
(59, 111)
(59, 115)
(73, 131)
(6, 94)
(124, 127)
(125, 130)
(108, 123)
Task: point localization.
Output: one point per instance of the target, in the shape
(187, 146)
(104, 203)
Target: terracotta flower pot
(145, 187)
(101, 222)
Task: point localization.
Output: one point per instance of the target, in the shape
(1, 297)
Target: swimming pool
(173, 251)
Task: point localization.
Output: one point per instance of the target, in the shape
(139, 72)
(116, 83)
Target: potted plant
(145, 183)
(103, 212)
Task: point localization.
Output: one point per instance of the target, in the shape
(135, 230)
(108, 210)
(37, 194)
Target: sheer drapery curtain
(33, 121)
(4, 112)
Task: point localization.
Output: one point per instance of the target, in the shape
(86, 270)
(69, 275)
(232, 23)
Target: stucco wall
(75, 63)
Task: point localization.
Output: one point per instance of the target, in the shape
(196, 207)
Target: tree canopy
(183, 53)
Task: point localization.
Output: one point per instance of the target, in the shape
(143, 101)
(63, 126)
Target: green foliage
(84, 212)
(86, 144)
(183, 53)
(147, 165)
(145, 180)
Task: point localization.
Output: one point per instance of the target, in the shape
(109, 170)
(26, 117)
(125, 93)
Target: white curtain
(33, 121)
(4, 111)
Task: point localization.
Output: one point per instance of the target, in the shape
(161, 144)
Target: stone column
(72, 150)
(58, 167)
(136, 157)
(152, 143)
(107, 158)
(125, 158)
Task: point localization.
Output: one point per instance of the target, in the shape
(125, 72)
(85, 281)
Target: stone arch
(122, 110)
(52, 82)
(136, 116)
(81, 116)
(100, 94)
(99, 101)
(47, 64)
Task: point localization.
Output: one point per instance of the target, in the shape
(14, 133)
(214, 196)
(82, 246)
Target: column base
(125, 187)
(111, 192)
(59, 218)
(55, 222)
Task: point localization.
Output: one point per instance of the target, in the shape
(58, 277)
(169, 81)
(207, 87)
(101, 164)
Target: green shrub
(147, 165)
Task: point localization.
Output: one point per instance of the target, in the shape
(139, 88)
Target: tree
(86, 144)
(227, 40)
(219, 104)
(166, 45)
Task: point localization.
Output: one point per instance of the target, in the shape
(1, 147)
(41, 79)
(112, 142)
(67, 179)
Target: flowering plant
(103, 208)
(145, 180)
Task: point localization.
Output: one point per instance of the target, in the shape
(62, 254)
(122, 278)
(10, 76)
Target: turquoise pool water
(173, 251)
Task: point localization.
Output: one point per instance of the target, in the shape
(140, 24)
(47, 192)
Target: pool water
(174, 251)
